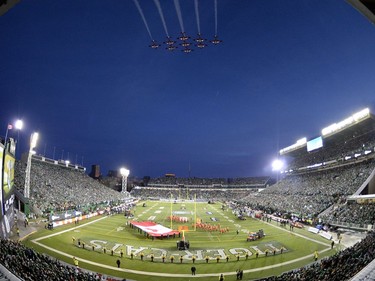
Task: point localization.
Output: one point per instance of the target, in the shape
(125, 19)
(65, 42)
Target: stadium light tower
(17, 125)
(277, 165)
(124, 173)
(33, 142)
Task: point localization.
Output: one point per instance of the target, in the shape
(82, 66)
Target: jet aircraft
(154, 45)
(201, 45)
(183, 36)
(199, 39)
(169, 41)
(216, 40)
(187, 50)
(171, 47)
(185, 44)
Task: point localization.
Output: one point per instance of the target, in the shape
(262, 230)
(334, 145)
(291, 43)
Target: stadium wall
(371, 184)
(368, 187)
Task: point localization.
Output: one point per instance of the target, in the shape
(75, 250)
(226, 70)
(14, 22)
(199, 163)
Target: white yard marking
(147, 273)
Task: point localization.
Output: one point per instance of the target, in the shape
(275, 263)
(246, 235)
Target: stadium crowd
(209, 182)
(200, 188)
(362, 214)
(337, 152)
(341, 266)
(29, 265)
(56, 188)
(310, 193)
(222, 194)
(307, 193)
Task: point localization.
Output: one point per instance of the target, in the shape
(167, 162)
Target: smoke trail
(215, 17)
(157, 3)
(143, 17)
(197, 16)
(178, 10)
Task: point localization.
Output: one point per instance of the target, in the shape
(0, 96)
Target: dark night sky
(82, 75)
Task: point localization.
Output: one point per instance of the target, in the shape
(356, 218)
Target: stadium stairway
(366, 274)
(5, 275)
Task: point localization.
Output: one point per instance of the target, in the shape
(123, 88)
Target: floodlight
(277, 165)
(18, 125)
(33, 140)
(124, 172)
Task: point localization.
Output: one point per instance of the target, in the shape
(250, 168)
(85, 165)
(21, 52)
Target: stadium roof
(366, 126)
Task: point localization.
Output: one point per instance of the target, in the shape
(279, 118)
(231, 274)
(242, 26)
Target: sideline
(67, 230)
(160, 274)
(174, 274)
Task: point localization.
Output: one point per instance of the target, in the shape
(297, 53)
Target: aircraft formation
(183, 42)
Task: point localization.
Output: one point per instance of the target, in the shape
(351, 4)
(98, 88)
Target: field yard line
(297, 234)
(67, 230)
(172, 274)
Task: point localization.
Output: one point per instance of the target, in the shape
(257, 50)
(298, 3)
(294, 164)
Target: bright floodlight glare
(34, 139)
(124, 172)
(277, 165)
(18, 125)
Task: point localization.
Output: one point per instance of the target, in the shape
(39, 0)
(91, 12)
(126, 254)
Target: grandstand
(351, 138)
(339, 173)
(57, 187)
(202, 189)
(329, 186)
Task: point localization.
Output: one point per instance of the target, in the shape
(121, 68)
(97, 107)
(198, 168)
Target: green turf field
(113, 233)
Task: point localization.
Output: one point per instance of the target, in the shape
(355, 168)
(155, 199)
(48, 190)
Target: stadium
(319, 214)
(314, 221)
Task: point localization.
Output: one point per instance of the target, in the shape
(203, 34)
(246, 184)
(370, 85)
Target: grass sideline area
(115, 235)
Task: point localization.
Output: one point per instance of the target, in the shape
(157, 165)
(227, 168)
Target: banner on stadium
(8, 176)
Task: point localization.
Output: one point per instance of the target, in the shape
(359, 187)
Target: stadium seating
(308, 192)
(56, 188)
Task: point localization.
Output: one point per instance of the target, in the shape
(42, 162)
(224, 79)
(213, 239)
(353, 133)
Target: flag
(10, 127)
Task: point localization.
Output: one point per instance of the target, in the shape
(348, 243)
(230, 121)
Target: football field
(217, 244)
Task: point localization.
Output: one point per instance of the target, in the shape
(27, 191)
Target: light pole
(124, 173)
(17, 125)
(33, 141)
